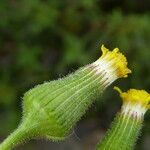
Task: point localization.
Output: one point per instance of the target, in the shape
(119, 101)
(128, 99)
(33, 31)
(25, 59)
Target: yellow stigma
(135, 97)
(119, 61)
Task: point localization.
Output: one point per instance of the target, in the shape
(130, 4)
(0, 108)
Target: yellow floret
(135, 96)
(118, 60)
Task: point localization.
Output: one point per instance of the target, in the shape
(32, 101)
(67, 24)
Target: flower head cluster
(112, 65)
(117, 59)
(113, 62)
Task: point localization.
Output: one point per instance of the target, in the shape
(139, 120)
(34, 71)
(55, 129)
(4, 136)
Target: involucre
(52, 109)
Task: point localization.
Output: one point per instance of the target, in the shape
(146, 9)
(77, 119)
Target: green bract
(122, 135)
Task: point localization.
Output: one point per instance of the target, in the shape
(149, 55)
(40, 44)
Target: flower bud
(51, 109)
(128, 122)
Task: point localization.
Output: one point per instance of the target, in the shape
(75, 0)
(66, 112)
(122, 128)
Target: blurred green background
(43, 40)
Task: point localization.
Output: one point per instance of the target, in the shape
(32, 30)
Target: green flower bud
(128, 122)
(51, 109)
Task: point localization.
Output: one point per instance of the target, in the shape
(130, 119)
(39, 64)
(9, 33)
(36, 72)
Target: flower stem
(17, 137)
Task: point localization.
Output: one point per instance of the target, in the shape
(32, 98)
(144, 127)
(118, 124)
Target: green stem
(123, 134)
(17, 137)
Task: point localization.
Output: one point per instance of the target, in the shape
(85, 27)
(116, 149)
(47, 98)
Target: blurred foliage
(44, 39)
